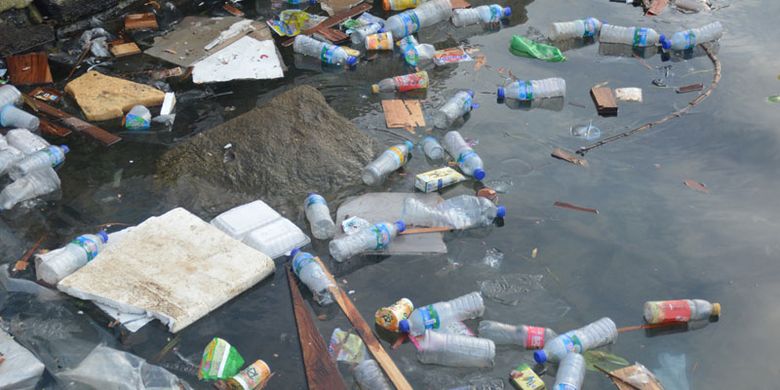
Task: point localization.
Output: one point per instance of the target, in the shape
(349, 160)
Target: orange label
(389, 317)
(253, 376)
(381, 41)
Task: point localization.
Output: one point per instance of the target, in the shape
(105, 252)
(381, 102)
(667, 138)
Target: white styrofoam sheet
(246, 59)
(175, 267)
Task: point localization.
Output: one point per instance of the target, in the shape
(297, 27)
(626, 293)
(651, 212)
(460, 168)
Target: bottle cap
(375, 88)
(666, 44)
(470, 92)
(65, 149)
(312, 2)
(351, 61)
(400, 225)
(386, 5)
(409, 145)
(507, 12)
(103, 236)
(500, 211)
(403, 326)
(540, 357)
(294, 252)
(479, 174)
(716, 309)
(381, 31)
(501, 92)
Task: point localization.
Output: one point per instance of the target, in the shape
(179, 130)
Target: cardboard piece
(388, 207)
(141, 21)
(403, 113)
(333, 7)
(125, 49)
(626, 372)
(29, 69)
(104, 97)
(175, 268)
(605, 102)
(247, 58)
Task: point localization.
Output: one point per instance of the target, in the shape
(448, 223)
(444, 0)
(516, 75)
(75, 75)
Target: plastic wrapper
(220, 361)
(20, 370)
(347, 347)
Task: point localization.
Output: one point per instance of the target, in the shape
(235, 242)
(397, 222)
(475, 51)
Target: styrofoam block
(277, 239)
(239, 221)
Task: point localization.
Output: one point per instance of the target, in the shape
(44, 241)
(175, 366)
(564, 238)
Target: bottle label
(525, 90)
(430, 317)
(315, 199)
(382, 236)
(565, 386)
(389, 317)
(468, 103)
(411, 22)
(450, 56)
(534, 338)
(55, 156)
(590, 28)
(690, 39)
(670, 311)
(496, 13)
(301, 260)
(254, 375)
(465, 156)
(326, 56)
(572, 342)
(381, 41)
(640, 37)
(88, 245)
(399, 154)
(411, 82)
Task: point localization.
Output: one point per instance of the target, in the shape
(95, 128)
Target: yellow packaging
(524, 378)
(380, 41)
(437, 179)
(350, 51)
(389, 317)
(399, 5)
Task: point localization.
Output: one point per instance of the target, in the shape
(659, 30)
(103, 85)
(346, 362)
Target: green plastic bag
(524, 47)
(220, 361)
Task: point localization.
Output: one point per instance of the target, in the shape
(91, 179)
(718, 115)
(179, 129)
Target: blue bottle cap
(409, 145)
(500, 211)
(507, 12)
(540, 356)
(666, 44)
(501, 92)
(400, 225)
(65, 148)
(294, 252)
(312, 2)
(479, 174)
(351, 61)
(470, 92)
(381, 31)
(103, 236)
(403, 326)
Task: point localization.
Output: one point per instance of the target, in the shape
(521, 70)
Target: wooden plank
(403, 113)
(333, 35)
(233, 10)
(146, 20)
(49, 128)
(566, 156)
(321, 372)
(29, 69)
(74, 123)
(690, 88)
(434, 229)
(365, 332)
(657, 6)
(570, 206)
(333, 20)
(604, 98)
(125, 49)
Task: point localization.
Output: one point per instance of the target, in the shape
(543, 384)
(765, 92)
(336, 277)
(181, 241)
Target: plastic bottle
(369, 376)
(468, 160)
(376, 237)
(681, 310)
(10, 116)
(571, 373)
(634, 36)
(8, 157)
(528, 337)
(684, 40)
(359, 34)
(407, 82)
(50, 157)
(318, 214)
(597, 334)
(400, 5)
(71, 257)
(583, 28)
(440, 314)
(533, 89)
(432, 148)
(251, 377)
(326, 52)
(390, 317)
(454, 350)
(411, 21)
(461, 212)
(138, 118)
(483, 14)
(415, 53)
(311, 274)
(390, 160)
(379, 41)
(459, 105)
(38, 183)
(25, 141)
(9, 95)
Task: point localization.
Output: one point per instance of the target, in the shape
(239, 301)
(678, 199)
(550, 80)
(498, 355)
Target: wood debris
(403, 113)
(566, 156)
(690, 88)
(29, 69)
(604, 98)
(125, 49)
(695, 185)
(570, 206)
(142, 21)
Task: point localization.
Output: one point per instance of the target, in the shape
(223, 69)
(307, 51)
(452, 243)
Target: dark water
(653, 238)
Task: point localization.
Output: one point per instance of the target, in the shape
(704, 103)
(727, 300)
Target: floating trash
(589, 132)
(510, 289)
(493, 258)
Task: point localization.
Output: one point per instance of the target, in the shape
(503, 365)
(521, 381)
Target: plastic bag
(20, 370)
(292, 22)
(524, 47)
(220, 361)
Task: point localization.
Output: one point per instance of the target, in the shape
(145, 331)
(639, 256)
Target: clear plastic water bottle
(389, 161)
(461, 212)
(359, 34)
(369, 376)
(38, 183)
(454, 350)
(411, 21)
(311, 274)
(681, 310)
(459, 105)
(441, 314)
(528, 337)
(8, 157)
(52, 156)
(71, 257)
(10, 116)
(415, 53)
(25, 141)
(633, 36)
(432, 148)
(583, 28)
(407, 82)
(571, 373)
(688, 39)
(597, 334)
(468, 160)
(374, 238)
(138, 118)
(318, 214)
(533, 89)
(483, 14)
(9, 95)
(326, 52)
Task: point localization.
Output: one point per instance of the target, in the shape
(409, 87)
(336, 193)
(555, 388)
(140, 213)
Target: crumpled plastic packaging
(97, 41)
(20, 370)
(524, 47)
(292, 22)
(347, 347)
(641, 376)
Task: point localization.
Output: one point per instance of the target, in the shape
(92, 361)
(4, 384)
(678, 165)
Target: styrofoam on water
(38, 183)
(454, 350)
(427, 14)
(25, 141)
(239, 221)
(571, 372)
(459, 309)
(276, 238)
(625, 35)
(369, 376)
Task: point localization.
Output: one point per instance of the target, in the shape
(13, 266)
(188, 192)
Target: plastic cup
(10, 116)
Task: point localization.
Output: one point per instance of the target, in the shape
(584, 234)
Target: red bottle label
(412, 81)
(534, 338)
(675, 311)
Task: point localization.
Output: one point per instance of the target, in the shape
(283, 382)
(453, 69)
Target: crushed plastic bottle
(8, 157)
(389, 161)
(70, 258)
(25, 141)
(311, 274)
(461, 212)
(9, 95)
(571, 373)
(533, 89)
(379, 41)
(432, 148)
(633, 36)
(528, 337)
(440, 314)
(52, 157)
(404, 83)
(326, 52)
(415, 53)
(38, 183)
(688, 39)
(369, 376)
(138, 118)
(10, 116)
(453, 350)
(458, 106)
(400, 5)
(359, 34)
(583, 28)
(411, 21)
(317, 212)
(377, 237)
(681, 310)
(468, 160)
(483, 14)
(594, 335)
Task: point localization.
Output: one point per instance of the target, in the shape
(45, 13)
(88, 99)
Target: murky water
(653, 238)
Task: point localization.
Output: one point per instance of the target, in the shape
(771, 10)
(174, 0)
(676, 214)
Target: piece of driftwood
(333, 20)
(50, 128)
(403, 113)
(433, 229)
(29, 69)
(233, 10)
(565, 205)
(566, 156)
(142, 21)
(125, 49)
(690, 88)
(321, 372)
(74, 123)
(604, 98)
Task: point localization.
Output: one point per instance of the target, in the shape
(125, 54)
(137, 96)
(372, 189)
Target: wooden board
(604, 98)
(141, 21)
(49, 128)
(74, 123)
(403, 113)
(125, 49)
(333, 20)
(627, 372)
(321, 372)
(29, 69)
(690, 88)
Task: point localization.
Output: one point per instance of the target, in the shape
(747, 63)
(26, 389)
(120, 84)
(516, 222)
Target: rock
(17, 39)
(8, 4)
(294, 144)
(71, 10)
(104, 97)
